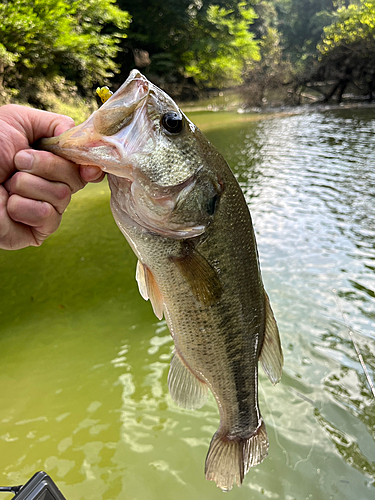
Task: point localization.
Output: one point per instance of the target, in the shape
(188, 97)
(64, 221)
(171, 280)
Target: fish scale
(181, 209)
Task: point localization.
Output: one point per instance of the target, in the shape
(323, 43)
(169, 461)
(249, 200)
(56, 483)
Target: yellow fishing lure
(104, 93)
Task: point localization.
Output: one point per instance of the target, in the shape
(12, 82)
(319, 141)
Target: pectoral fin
(201, 276)
(271, 355)
(149, 289)
(185, 388)
(141, 280)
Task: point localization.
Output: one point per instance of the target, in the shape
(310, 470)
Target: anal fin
(185, 388)
(149, 289)
(271, 356)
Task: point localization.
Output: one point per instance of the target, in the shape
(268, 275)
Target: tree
(44, 39)
(301, 24)
(348, 50)
(206, 40)
(273, 69)
(222, 45)
(271, 73)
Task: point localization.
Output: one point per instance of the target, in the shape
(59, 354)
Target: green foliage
(69, 47)
(42, 39)
(354, 24)
(301, 24)
(61, 98)
(268, 74)
(273, 70)
(347, 51)
(267, 17)
(223, 45)
(203, 39)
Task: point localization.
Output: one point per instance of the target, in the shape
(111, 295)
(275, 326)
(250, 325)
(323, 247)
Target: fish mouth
(112, 134)
(117, 138)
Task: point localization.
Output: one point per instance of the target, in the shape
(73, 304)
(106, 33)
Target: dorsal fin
(271, 355)
(185, 388)
(149, 289)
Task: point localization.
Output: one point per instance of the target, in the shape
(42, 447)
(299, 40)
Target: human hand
(35, 186)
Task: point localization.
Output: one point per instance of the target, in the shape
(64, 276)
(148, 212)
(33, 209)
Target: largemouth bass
(182, 211)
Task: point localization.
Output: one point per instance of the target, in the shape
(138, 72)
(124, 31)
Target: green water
(84, 362)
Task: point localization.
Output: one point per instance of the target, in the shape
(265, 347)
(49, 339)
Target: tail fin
(228, 460)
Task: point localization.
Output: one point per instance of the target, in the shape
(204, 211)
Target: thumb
(36, 123)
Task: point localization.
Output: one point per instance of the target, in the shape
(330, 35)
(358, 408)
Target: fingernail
(23, 160)
(92, 173)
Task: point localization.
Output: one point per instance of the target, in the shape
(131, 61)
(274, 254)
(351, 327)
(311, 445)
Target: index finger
(50, 167)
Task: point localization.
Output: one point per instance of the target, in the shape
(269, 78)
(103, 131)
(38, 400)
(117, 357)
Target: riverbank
(211, 110)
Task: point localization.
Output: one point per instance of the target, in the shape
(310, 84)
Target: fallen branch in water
(355, 345)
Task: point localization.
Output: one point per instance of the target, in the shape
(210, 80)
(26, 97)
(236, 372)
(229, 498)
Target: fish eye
(172, 122)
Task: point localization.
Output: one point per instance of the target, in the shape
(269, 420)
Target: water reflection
(310, 187)
(96, 412)
(348, 448)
